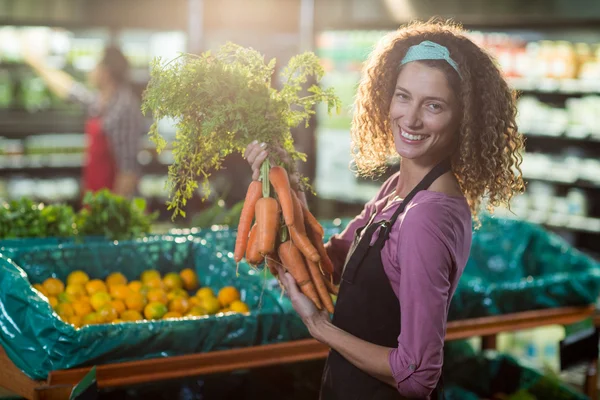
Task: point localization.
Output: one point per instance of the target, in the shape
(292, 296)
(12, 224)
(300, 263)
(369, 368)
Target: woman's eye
(435, 107)
(401, 96)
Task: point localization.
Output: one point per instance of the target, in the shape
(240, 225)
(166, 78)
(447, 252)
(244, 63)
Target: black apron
(368, 308)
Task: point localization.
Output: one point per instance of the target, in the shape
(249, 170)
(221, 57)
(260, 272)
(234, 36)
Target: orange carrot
(293, 262)
(241, 241)
(272, 260)
(298, 214)
(310, 219)
(267, 224)
(281, 183)
(317, 279)
(298, 233)
(252, 255)
(317, 241)
(304, 245)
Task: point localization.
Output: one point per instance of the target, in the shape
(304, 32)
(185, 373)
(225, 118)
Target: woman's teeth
(412, 137)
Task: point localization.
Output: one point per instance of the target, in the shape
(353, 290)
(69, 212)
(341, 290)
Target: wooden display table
(59, 383)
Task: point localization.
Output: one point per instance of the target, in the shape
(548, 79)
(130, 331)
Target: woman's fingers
(257, 163)
(252, 152)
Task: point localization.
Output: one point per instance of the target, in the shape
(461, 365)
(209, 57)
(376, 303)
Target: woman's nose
(412, 118)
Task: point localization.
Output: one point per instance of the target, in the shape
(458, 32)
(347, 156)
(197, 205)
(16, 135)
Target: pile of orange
(84, 301)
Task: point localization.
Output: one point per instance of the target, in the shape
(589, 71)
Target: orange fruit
(172, 280)
(153, 283)
(77, 278)
(53, 301)
(196, 312)
(155, 310)
(76, 321)
(205, 292)
(172, 314)
(135, 286)
(190, 279)
(149, 274)
(53, 286)
(95, 286)
(40, 288)
(195, 301)
(81, 308)
(179, 304)
(64, 297)
(108, 313)
(239, 306)
(119, 291)
(76, 290)
(64, 310)
(99, 300)
(91, 319)
(177, 293)
(116, 278)
(119, 305)
(135, 301)
(228, 295)
(211, 305)
(131, 315)
(158, 295)
(117, 321)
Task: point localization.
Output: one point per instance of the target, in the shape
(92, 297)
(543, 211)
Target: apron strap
(437, 171)
(360, 250)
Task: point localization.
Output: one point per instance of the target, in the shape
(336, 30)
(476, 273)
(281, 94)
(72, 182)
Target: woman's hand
(310, 314)
(256, 153)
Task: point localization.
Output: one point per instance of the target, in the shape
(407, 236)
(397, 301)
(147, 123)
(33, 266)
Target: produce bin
(37, 341)
(517, 266)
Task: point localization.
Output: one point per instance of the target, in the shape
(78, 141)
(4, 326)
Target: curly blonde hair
(488, 155)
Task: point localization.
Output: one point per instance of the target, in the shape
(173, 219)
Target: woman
(438, 101)
(114, 125)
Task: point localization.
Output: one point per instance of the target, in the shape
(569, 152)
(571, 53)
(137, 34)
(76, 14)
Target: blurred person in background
(114, 124)
(438, 101)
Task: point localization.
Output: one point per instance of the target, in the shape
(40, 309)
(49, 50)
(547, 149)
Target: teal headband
(429, 51)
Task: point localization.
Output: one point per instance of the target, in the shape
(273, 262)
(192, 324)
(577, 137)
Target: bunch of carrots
(278, 229)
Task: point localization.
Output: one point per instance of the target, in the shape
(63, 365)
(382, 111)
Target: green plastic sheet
(517, 266)
(37, 341)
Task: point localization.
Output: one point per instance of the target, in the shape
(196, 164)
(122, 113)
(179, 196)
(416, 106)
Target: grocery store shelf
(565, 182)
(42, 171)
(17, 123)
(558, 86)
(562, 221)
(573, 137)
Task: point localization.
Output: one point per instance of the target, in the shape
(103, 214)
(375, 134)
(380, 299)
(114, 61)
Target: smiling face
(424, 114)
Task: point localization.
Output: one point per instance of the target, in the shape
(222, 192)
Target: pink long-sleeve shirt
(423, 258)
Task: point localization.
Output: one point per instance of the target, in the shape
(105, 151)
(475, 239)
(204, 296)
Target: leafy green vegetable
(104, 214)
(114, 217)
(25, 218)
(221, 103)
